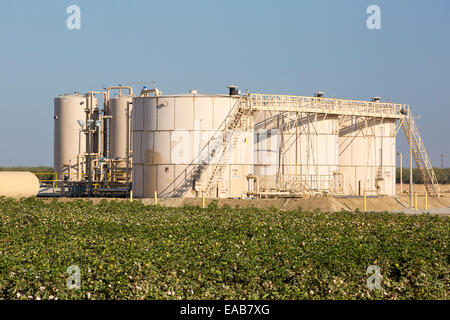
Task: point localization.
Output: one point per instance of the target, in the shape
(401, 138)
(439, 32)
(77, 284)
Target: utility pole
(401, 172)
(410, 161)
(442, 168)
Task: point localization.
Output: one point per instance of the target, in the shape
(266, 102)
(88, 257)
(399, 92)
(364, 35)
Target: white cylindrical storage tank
(169, 135)
(367, 156)
(296, 152)
(18, 184)
(118, 126)
(69, 140)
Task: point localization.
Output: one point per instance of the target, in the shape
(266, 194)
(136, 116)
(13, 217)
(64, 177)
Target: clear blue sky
(291, 47)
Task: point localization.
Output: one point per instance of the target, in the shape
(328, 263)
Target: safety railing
(325, 105)
(59, 177)
(46, 174)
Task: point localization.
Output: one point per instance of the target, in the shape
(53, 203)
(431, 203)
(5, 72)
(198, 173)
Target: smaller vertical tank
(69, 140)
(118, 126)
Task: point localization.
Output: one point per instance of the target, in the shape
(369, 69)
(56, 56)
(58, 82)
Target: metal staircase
(210, 164)
(420, 155)
(216, 154)
(226, 145)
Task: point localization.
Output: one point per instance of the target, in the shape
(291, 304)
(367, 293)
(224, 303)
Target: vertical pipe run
(415, 201)
(426, 200)
(128, 143)
(365, 201)
(105, 136)
(203, 200)
(156, 198)
(88, 142)
(401, 172)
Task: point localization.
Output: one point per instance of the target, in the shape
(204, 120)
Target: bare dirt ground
(420, 189)
(439, 206)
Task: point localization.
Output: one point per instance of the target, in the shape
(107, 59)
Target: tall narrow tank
(118, 126)
(69, 140)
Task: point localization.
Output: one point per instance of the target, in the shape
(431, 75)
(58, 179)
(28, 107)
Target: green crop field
(126, 250)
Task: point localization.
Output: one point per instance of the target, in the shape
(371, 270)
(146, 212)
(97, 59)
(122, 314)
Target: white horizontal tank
(14, 184)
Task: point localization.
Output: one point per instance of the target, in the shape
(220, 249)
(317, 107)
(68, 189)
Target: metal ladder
(226, 145)
(187, 179)
(420, 155)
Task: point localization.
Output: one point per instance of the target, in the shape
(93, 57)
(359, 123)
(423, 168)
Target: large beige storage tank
(296, 152)
(367, 156)
(18, 184)
(69, 140)
(118, 126)
(169, 133)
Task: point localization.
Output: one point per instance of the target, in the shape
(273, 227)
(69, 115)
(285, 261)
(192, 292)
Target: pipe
(91, 95)
(415, 201)
(128, 143)
(130, 89)
(274, 193)
(203, 200)
(105, 136)
(88, 147)
(256, 179)
(338, 173)
(90, 142)
(401, 172)
(365, 202)
(78, 156)
(103, 143)
(106, 118)
(146, 92)
(105, 102)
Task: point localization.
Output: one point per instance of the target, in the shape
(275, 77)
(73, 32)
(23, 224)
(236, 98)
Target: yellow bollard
(415, 201)
(203, 200)
(131, 195)
(426, 200)
(365, 202)
(156, 198)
